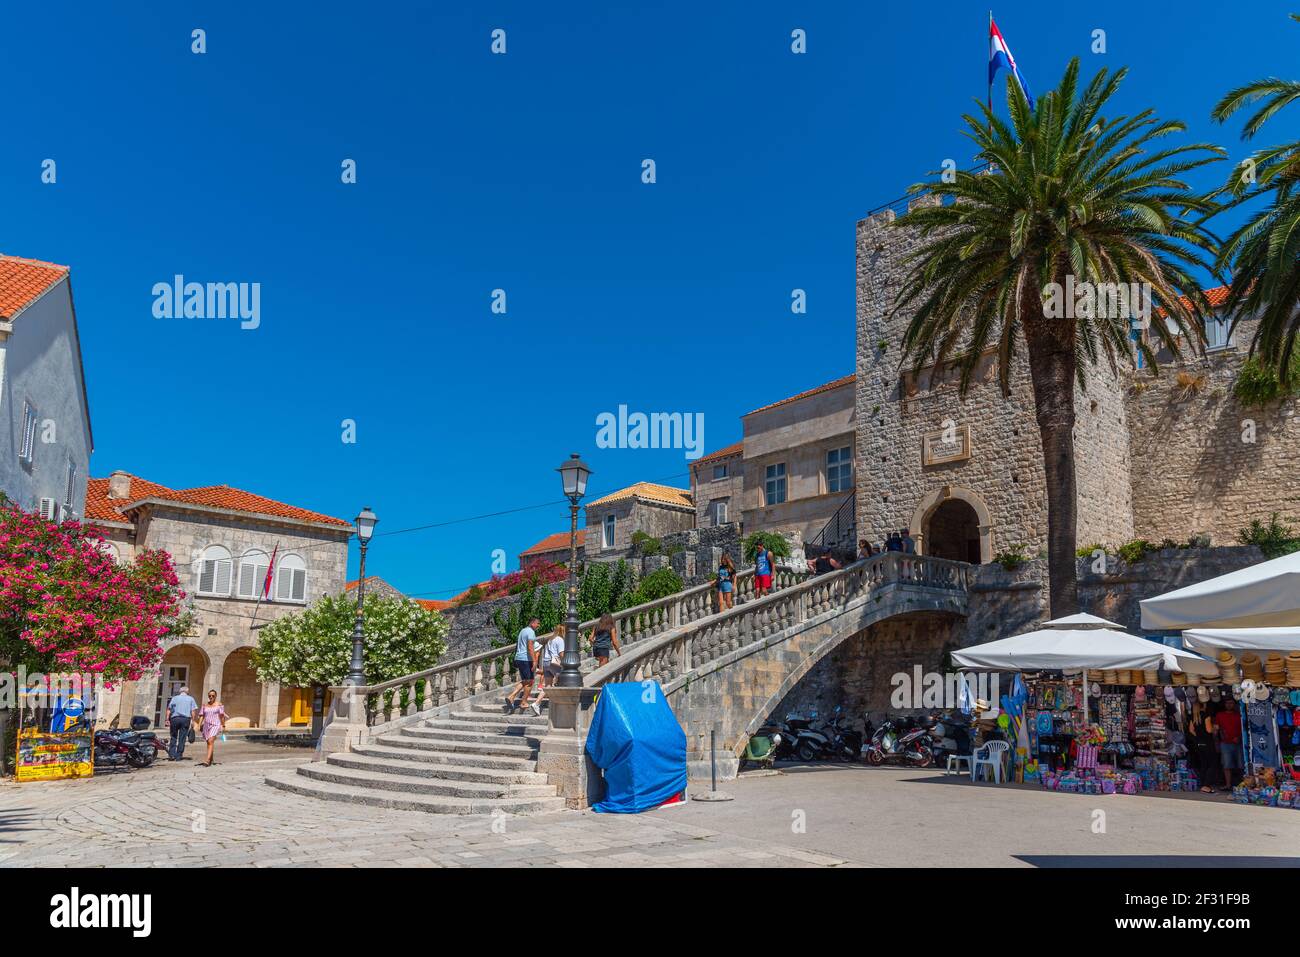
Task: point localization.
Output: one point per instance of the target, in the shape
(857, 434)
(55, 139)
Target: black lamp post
(574, 474)
(366, 523)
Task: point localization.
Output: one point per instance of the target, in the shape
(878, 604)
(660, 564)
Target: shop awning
(1081, 620)
(1066, 649)
(1210, 641)
(1263, 595)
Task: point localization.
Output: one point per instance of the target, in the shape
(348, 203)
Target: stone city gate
(438, 741)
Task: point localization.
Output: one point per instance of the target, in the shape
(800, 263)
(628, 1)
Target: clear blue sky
(520, 172)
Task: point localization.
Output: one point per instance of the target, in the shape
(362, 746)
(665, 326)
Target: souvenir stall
(1248, 623)
(1101, 710)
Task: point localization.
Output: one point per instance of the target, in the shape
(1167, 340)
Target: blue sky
(520, 172)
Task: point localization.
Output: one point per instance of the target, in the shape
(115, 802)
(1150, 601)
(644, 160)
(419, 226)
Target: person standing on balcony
(763, 563)
(726, 579)
(865, 549)
(524, 661)
(604, 639)
(909, 545)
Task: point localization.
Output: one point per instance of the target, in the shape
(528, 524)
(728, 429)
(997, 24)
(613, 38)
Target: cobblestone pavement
(182, 815)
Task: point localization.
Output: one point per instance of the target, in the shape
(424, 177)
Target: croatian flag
(1000, 58)
(270, 573)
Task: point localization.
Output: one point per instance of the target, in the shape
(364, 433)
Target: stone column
(562, 756)
(269, 714)
(345, 725)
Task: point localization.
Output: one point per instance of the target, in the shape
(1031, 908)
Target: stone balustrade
(357, 710)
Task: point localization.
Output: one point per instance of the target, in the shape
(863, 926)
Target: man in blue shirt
(524, 661)
(179, 712)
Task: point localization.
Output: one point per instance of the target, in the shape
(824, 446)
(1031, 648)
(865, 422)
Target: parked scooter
(763, 747)
(901, 741)
(137, 748)
(950, 735)
(810, 744)
(845, 743)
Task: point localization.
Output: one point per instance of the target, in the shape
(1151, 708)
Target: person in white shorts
(552, 657)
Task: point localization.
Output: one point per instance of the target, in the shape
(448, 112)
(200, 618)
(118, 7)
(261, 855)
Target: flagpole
(264, 589)
(990, 42)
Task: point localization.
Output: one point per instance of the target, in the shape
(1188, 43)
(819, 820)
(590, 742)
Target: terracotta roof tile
(23, 281)
(1216, 298)
(734, 449)
(827, 387)
(99, 505)
(551, 543)
(663, 494)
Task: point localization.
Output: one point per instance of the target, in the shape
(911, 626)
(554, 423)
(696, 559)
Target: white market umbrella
(1081, 621)
(1210, 641)
(1091, 649)
(1263, 595)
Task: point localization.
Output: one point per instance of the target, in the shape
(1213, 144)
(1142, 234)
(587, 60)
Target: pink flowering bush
(65, 605)
(541, 573)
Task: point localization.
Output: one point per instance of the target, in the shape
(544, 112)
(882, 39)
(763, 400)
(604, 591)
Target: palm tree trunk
(1052, 361)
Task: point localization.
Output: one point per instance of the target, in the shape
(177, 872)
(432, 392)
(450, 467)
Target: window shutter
(207, 576)
(223, 576)
(299, 584)
(283, 584)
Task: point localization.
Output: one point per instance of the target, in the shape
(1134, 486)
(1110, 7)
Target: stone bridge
(726, 672)
(437, 740)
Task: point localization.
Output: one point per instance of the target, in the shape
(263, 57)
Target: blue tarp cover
(635, 739)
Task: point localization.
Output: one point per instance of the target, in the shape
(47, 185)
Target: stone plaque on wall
(950, 445)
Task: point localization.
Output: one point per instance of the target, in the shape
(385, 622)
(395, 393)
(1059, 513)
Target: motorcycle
(137, 747)
(901, 741)
(950, 735)
(845, 743)
(809, 743)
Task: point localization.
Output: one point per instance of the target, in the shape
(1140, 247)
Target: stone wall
(705, 489)
(631, 515)
(1207, 464)
(857, 674)
(471, 629)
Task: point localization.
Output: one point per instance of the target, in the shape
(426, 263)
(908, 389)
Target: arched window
(215, 571)
(291, 579)
(252, 573)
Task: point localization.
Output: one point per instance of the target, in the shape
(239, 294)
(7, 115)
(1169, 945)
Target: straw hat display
(1150, 677)
(1228, 668)
(1111, 677)
(1179, 678)
(1293, 669)
(1252, 667)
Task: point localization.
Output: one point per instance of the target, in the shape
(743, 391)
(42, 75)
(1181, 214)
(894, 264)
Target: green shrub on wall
(1258, 385)
(1274, 538)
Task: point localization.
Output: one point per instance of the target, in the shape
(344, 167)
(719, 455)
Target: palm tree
(1066, 193)
(1265, 251)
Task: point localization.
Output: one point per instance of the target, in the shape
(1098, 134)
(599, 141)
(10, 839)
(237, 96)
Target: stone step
(485, 739)
(523, 718)
(491, 729)
(399, 776)
(444, 767)
(295, 783)
(497, 705)
(481, 759)
(451, 741)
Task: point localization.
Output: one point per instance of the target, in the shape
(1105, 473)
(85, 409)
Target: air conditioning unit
(49, 509)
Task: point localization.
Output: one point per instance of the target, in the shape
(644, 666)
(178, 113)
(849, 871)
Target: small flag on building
(270, 572)
(1000, 58)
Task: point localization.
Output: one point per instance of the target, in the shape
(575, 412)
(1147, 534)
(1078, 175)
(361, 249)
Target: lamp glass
(574, 474)
(366, 523)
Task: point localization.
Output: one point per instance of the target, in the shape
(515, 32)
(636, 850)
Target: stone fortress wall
(1154, 457)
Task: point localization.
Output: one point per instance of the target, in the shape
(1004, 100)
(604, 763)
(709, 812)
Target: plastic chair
(990, 755)
(955, 762)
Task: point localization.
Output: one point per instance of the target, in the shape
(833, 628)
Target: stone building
(46, 441)
(1156, 457)
(221, 540)
(799, 460)
(612, 520)
(717, 486)
(551, 550)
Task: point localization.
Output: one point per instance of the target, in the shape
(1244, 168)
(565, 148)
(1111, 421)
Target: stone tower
(966, 475)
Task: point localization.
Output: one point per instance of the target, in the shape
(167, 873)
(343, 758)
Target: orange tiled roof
(1216, 298)
(734, 449)
(803, 395)
(551, 543)
(23, 281)
(663, 494)
(99, 505)
(432, 604)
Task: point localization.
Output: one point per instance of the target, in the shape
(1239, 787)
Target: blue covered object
(635, 739)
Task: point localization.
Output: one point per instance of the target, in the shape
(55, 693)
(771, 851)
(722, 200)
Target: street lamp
(366, 523)
(573, 474)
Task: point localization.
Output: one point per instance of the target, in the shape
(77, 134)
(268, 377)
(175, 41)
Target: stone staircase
(475, 761)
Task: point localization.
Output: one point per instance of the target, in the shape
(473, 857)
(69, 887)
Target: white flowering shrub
(314, 646)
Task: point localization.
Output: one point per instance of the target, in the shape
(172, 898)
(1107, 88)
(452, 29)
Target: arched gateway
(953, 523)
